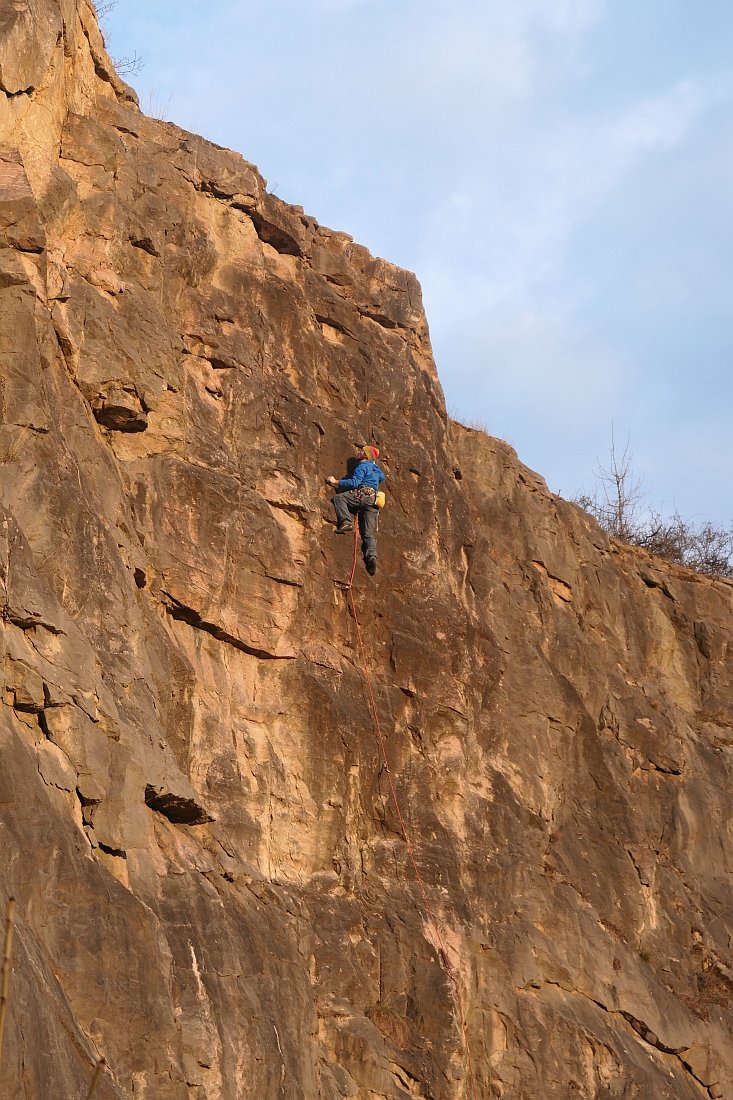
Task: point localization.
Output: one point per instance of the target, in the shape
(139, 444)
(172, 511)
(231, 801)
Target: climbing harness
(385, 763)
(366, 495)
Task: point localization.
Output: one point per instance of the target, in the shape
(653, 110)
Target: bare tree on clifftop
(617, 505)
(618, 496)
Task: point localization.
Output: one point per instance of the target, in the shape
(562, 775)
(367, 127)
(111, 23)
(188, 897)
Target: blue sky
(558, 173)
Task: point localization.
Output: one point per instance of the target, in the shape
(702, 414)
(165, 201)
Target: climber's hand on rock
(331, 480)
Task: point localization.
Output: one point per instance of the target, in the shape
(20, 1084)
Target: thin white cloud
(486, 144)
(660, 121)
(562, 15)
(523, 213)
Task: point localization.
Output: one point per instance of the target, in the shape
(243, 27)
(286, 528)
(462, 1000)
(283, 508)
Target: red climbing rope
(385, 761)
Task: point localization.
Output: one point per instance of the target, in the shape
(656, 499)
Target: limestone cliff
(213, 891)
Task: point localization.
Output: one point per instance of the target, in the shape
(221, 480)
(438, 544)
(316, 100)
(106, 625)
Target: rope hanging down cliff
(383, 750)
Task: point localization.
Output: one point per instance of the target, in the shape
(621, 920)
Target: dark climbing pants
(348, 504)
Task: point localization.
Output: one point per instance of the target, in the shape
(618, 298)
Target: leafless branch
(618, 495)
(156, 107)
(103, 9)
(128, 66)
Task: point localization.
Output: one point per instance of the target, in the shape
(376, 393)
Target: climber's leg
(368, 524)
(344, 504)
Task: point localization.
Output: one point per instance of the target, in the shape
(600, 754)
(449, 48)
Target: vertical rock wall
(213, 890)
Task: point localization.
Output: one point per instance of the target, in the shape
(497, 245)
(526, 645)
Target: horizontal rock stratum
(213, 891)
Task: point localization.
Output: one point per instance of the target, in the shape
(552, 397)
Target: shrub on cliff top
(617, 503)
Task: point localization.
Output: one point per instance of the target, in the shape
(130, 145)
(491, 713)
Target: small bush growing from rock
(393, 1026)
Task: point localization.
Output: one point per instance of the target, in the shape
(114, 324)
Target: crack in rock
(181, 612)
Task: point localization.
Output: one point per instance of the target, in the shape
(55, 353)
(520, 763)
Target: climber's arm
(356, 478)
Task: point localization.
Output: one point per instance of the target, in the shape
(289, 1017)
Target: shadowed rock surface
(213, 892)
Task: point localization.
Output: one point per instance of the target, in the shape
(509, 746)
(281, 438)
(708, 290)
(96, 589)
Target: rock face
(213, 891)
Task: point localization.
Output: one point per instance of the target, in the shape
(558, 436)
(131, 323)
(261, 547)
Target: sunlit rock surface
(213, 892)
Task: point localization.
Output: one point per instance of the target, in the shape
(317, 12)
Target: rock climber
(358, 495)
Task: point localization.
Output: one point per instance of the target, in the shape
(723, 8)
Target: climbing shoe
(371, 566)
(344, 527)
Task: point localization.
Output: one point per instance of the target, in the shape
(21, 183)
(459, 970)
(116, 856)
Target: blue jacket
(366, 473)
